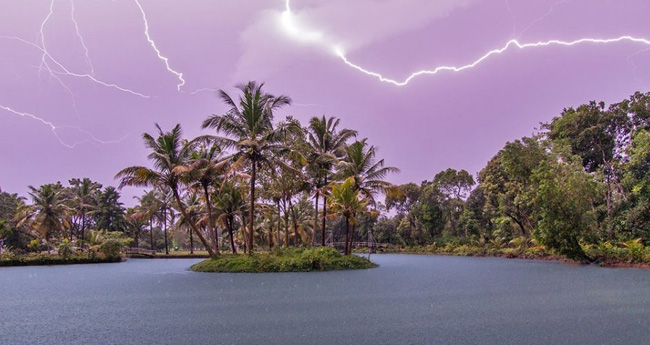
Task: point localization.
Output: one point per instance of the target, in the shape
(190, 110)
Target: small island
(287, 260)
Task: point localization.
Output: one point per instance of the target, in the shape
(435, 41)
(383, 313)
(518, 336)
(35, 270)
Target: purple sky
(451, 119)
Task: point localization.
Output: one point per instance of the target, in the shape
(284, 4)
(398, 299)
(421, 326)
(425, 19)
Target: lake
(408, 299)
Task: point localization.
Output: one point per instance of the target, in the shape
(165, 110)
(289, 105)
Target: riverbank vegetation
(285, 260)
(578, 188)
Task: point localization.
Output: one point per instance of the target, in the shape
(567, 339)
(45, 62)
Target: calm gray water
(407, 300)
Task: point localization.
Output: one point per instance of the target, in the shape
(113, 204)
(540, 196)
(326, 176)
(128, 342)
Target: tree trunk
(324, 215)
(151, 231)
(271, 235)
(279, 221)
(192, 225)
(83, 227)
(608, 198)
(211, 230)
(252, 210)
(286, 224)
(191, 241)
(232, 235)
(347, 235)
(165, 229)
(315, 217)
(295, 224)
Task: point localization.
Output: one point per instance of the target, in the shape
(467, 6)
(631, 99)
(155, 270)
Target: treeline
(579, 188)
(582, 182)
(254, 182)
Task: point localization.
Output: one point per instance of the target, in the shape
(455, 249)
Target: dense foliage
(287, 260)
(578, 185)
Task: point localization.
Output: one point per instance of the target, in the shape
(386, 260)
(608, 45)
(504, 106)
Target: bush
(111, 248)
(285, 260)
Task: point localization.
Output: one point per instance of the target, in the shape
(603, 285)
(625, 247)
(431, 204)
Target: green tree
(344, 201)
(109, 214)
(50, 210)
(248, 128)
(565, 201)
(83, 200)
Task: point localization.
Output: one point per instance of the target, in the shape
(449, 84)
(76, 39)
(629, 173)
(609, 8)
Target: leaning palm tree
(248, 127)
(194, 209)
(344, 201)
(168, 152)
(205, 170)
(326, 146)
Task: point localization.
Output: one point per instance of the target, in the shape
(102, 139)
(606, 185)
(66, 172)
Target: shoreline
(597, 262)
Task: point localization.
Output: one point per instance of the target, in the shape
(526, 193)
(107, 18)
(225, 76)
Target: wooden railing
(139, 251)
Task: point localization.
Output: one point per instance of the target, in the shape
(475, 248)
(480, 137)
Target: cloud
(320, 26)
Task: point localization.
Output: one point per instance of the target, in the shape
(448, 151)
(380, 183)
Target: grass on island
(285, 260)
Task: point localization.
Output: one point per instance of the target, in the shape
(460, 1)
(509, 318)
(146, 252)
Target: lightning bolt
(81, 39)
(64, 71)
(291, 27)
(540, 19)
(54, 128)
(155, 48)
(510, 44)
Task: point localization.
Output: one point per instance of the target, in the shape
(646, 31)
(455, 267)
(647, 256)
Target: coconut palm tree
(168, 153)
(248, 127)
(230, 203)
(326, 146)
(344, 201)
(50, 210)
(368, 173)
(149, 208)
(83, 199)
(194, 211)
(206, 169)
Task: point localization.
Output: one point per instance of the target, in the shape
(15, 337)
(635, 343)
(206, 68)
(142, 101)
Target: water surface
(408, 299)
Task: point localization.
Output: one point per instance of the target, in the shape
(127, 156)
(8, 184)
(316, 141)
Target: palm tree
(194, 211)
(344, 201)
(230, 203)
(149, 207)
(326, 145)
(50, 210)
(167, 153)
(109, 214)
(135, 223)
(206, 169)
(83, 199)
(368, 173)
(248, 127)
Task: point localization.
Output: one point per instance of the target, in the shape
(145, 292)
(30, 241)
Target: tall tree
(344, 201)
(50, 210)
(83, 198)
(326, 146)
(110, 212)
(248, 127)
(168, 153)
(205, 171)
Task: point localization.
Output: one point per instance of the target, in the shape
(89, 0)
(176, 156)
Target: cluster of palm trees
(67, 212)
(254, 178)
